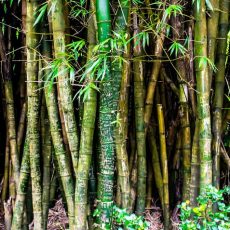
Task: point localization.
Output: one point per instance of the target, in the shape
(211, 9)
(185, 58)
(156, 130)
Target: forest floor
(58, 220)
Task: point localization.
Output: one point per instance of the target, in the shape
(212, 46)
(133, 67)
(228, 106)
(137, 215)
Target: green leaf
(11, 2)
(177, 48)
(209, 5)
(71, 74)
(197, 4)
(41, 12)
(17, 33)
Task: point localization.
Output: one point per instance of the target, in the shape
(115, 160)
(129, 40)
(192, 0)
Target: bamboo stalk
(8, 210)
(191, 69)
(203, 94)
(22, 78)
(219, 89)
(22, 188)
(212, 32)
(64, 87)
(106, 117)
(86, 142)
(6, 170)
(46, 156)
(133, 182)
(121, 130)
(195, 167)
(184, 107)
(156, 164)
(158, 50)
(33, 113)
(10, 113)
(139, 123)
(59, 149)
(164, 165)
(21, 126)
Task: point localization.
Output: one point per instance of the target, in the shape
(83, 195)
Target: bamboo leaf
(41, 12)
(177, 48)
(209, 5)
(71, 74)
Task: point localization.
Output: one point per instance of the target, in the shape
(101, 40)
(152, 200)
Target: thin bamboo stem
(164, 165)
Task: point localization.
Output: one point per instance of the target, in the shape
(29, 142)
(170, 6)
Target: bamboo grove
(107, 103)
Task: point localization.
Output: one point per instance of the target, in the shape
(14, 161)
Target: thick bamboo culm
(121, 131)
(106, 117)
(219, 89)
(33, 113)
(64, 87)
(139, 123)
(203, 93)
(86, 141)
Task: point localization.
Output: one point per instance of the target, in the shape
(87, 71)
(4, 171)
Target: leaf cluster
(123, 220)
(203, 215)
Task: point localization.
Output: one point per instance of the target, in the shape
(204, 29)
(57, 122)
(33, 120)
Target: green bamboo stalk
(59, 149)
(122, 75)
(158, 50)
(106, 117)
(203, 108)
(133, 182)
(6, 170)
(86, 142)
(186, 141)
(21, 126)
(22, 188)
(64, 87)
(139, 123)
(191, 69)
(162, 91)
(212, 31)
(22, 78)
(184, 107)
(10, 113)
(121, 137)
(46, 156)
(132, 142)
(12, 189)
(33, 113)
(164, 165)
(92, 184)
(156, 164)
(219, 89)
(195, 167)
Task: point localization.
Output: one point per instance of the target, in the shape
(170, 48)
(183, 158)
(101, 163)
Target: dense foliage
(211, 212)
(116, 106)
